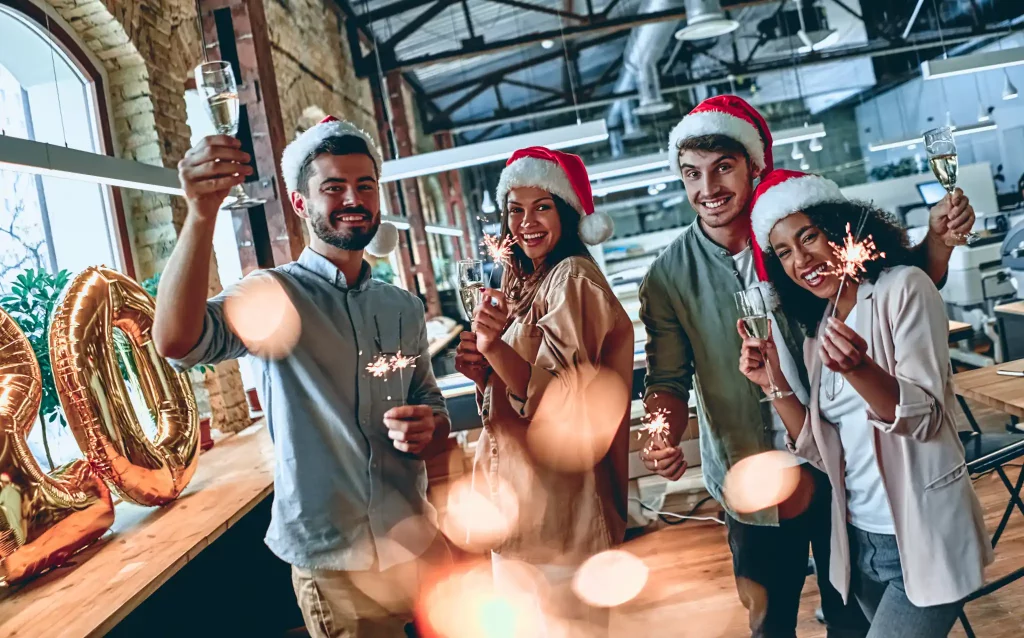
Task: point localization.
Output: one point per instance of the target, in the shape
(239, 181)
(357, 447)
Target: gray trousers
(876, 581)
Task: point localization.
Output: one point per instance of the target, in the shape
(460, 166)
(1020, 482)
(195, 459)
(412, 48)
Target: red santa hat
(299, 150)
(727, 115)
(563, 175)
(783, 192)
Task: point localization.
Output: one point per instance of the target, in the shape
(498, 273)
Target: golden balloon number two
(45, 518)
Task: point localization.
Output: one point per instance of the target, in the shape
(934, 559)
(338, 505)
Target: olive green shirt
(687, 305)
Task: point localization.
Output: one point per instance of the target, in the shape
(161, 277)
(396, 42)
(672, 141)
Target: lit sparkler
(853, 254)
(379, 367)
(656, 424)
(400, 362)
(500, 251)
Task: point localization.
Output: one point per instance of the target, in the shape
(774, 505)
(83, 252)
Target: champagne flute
(942, 158)
(471, 284)
(753, 309)
(216, 84)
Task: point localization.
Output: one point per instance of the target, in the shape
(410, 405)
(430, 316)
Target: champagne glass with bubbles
(471, 284)
(942, 158)
(216, 84)
(753, 309)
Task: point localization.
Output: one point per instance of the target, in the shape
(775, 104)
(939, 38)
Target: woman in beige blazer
(908, 537)
(552, 358)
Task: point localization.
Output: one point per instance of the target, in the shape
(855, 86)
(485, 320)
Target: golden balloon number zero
(45, 518)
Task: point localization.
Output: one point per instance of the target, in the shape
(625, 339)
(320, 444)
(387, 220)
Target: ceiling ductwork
(646, 45)
(631, 129)
(651, 100)
(705, 19)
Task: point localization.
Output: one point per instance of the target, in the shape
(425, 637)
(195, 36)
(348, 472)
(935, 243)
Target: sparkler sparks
(399, 362)
(500, 251)
(853, 254)
(379, 367)
(656, 424)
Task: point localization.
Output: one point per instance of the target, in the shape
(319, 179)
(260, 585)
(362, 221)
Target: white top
(867, 504)
(744, 261)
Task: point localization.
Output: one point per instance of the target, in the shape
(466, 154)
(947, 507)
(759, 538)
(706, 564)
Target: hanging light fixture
(805, 166)
(1009, 90)
(649, 85)
(705, 19)
(797, 154)
(815, 145)
(983, 113)
(487, 205)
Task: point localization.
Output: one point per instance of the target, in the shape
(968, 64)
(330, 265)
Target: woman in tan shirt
(908, 536)
(552, 358)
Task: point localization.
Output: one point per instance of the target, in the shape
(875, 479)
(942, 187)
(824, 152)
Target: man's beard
(354, 239)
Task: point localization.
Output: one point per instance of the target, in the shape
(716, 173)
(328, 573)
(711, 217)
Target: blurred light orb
(761, 481)
(475, 520)
(573, 429)
(260, 312)
(467, 605)
(610, 579)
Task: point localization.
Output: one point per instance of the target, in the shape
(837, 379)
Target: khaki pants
(364, 604)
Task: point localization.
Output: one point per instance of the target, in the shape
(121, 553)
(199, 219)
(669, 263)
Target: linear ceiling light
(958, 131)
(401, 223)
(973, 63)
(492, 150)
(27, 156)
(798, 134)
(631, 183)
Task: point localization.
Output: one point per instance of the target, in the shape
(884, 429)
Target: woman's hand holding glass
(752, 361)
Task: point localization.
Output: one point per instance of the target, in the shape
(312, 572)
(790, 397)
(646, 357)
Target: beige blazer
(940, 530)
(562, 450)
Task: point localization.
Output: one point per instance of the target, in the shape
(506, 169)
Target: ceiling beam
(546, 107)
(529, 6)
(389, 11)
(605, 26)
(415, 24)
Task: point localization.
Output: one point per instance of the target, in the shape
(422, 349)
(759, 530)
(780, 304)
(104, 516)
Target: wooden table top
(1015, 308)
(959, 329)
(146, 546)
(440, 344)
(994, 390)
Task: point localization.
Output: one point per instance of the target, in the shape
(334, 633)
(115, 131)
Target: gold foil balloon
(44, 519)
(96, 401)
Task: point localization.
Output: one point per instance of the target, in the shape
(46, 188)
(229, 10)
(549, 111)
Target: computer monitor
(931, 192)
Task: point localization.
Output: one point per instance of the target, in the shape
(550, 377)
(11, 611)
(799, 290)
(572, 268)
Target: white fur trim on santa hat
(784, 199)
(715, 123)
(768, 293)
(596, 228)
(539, 173)
(295, 154)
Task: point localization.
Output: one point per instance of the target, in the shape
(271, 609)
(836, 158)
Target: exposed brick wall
(148, 49)
(313, 64)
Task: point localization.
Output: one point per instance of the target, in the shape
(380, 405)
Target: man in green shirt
(688, 309)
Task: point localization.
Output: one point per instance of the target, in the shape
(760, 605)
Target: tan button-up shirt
(562, 450)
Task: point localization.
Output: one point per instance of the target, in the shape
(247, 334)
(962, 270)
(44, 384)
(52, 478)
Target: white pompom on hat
(562, 175)
(784, 192)
(299, 150)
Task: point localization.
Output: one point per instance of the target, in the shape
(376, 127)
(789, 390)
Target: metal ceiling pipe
(645, 46)
(631, 129)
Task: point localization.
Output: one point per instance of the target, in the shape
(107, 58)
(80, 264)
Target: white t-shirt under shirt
(745, 267)
(867, 504)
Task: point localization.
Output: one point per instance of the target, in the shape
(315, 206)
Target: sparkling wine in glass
(216, 84)
(753, 309)
(942, 159)
(471, 284)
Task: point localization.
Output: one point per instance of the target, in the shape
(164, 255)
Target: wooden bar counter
(145, 547)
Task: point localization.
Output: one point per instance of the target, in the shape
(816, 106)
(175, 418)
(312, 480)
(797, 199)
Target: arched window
(51, 92)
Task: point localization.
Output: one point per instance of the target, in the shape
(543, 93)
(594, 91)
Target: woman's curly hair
(832, 218)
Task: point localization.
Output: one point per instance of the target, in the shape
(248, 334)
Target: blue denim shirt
(688, 309)
(340, 487)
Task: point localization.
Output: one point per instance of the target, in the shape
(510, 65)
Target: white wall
(974, 179)
(907, 109)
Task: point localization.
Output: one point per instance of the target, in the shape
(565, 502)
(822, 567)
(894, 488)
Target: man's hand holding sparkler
(660, 455)
(951, 218)
(411, 427)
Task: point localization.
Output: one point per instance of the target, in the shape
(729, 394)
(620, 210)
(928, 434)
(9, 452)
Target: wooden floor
(691, 593)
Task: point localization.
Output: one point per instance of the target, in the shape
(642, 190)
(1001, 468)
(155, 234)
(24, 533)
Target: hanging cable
(569, 70)
(938, 24)
(56, 85)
